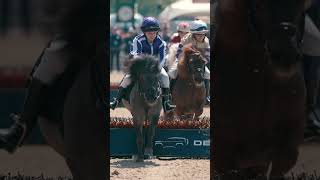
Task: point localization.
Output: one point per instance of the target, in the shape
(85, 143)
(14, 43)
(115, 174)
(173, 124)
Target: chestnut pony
(188, 93)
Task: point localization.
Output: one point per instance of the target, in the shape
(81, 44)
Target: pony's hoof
(150, 157)
(148, 151)
(139, 160)
(136, 158)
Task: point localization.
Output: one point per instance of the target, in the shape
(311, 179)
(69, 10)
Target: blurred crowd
(120, 42)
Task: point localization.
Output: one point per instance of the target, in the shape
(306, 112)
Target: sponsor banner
(167, 143)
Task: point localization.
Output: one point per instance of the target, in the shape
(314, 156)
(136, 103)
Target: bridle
(201, 70)
(143, 94)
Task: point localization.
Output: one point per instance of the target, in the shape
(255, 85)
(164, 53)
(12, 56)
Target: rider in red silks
(183, 28)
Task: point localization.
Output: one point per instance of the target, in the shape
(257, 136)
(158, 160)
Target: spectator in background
(132, 33)
(164, 34)
(115, 47)
(183, 28)
(197, 37)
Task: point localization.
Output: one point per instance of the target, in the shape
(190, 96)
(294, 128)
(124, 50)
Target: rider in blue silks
(148, 43)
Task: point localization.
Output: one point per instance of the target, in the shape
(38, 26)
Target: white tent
(184, 8)
(138, 20)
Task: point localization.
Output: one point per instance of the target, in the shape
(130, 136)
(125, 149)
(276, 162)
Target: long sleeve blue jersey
(140, 45)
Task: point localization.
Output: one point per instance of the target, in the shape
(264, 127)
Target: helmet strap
(193, 36)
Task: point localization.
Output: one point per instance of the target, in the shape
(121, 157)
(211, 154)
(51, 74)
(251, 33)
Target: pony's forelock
(141, 65)
(185, 58)
(188, 49)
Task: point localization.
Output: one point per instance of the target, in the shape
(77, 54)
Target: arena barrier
(174, 138)
(168, 142)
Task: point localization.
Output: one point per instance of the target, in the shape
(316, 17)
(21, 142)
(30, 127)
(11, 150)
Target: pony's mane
(187, 50)
(184, 60)
(142, 65)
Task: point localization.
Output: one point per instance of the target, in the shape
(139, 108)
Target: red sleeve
(175, 39)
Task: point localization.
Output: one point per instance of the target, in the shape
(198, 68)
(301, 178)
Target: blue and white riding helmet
(150, 24)
(198, 27)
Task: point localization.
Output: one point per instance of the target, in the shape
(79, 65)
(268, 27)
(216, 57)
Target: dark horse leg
(286, 150)
(286, 144)
(150, 135)
(85, 131)
(140, 140)
(284, 160)
(52, 133)
(138, 121)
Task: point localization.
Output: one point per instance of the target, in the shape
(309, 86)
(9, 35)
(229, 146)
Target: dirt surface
(183, 169)
(189, 169)
(40, 159)
(309, 159)
(33, 160)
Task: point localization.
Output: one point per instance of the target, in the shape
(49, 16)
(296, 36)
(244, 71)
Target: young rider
(183, 28)
(197, 36)
(149, 42)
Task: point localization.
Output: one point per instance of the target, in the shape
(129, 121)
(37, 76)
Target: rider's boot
(167, 106)
(120, 95)
(14, 136)
(172, 83)
(207, 86)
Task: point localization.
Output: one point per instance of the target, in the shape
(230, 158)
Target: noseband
(143, 94)
(197, 70)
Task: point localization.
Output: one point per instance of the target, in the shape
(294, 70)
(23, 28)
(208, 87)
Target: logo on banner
(174, 142)
(201, 142)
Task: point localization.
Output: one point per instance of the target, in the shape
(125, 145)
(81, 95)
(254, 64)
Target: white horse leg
(52, 134)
